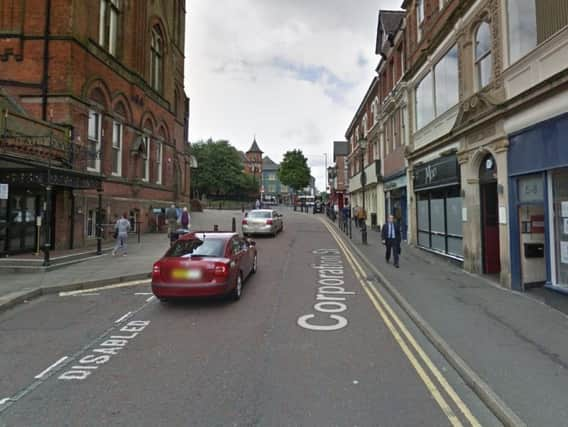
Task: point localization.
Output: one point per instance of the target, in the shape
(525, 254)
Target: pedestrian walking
(392, 237)
(121, 229)
(257, 204)
(171, 218)
(361, 217)
(185, 219)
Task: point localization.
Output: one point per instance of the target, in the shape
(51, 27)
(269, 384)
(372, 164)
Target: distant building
(338, 175)
(252, 162)
(273, 188)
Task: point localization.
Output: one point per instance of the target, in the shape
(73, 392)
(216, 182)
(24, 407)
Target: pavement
(299, 349)
(17, 287)
(516, 343)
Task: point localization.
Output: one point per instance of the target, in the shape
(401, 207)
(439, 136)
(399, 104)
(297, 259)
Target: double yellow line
(405, 340)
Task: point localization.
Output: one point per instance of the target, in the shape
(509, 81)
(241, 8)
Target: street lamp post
(362, 148)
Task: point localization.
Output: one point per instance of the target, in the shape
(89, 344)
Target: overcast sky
(293, 72)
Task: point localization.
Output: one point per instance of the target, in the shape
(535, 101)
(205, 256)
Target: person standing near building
(171, 218)
(185, 219)
(121, 229)
(257, 204)
(391, 239)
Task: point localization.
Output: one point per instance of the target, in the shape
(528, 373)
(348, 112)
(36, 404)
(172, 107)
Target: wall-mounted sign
(439, 172)
(537, 224)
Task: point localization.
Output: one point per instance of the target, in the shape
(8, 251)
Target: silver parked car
(263, 221)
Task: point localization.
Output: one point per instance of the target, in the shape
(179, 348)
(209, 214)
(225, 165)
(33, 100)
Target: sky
(291, 72)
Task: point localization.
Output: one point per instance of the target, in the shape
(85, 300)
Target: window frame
(109, 25)
(96, 139)
(420, 13)
(159, 161)
(157, 55)
(117, 149)
(146, 159)
(478, 60)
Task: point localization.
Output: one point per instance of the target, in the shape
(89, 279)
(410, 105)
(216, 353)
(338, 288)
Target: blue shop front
(538, 191)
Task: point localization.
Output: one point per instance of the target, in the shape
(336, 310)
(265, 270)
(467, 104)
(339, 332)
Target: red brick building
(110, 73)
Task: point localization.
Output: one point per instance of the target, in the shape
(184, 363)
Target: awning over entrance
(18, 171)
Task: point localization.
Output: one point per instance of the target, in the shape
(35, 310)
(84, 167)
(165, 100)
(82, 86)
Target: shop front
(34, 205)
(538, 178)
(396, 200)
(439, 206)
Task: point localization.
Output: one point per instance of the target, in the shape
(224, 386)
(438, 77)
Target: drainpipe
(45, 78)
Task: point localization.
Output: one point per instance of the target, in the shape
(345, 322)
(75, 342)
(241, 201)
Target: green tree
(294, 170)
(220, 169)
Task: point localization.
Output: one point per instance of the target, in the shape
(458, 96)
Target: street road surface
(314, 341)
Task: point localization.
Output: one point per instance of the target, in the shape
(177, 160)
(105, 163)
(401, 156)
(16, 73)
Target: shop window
(439, 221)
(560, 208)
(483, 59)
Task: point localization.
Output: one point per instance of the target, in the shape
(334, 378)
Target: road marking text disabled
(105, 350)
(331, 294)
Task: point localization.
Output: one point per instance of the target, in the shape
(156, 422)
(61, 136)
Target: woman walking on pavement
(121, 229)
(185, 219)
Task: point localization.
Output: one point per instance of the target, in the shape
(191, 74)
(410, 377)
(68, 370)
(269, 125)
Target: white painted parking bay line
(151, 298)
(126, 316)
(5, 400)
(143, 293)
(118, 285)
(44, 373)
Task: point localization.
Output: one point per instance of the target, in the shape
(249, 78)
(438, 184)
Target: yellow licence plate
(191, 274)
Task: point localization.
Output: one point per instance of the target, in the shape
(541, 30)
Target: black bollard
(234, 224)
(215, 227)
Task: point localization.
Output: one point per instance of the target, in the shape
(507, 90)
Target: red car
(205, 264)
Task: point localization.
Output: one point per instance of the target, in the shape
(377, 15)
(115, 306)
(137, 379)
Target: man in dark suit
(391, 239)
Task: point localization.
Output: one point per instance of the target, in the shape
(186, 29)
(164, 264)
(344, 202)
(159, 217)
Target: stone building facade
(484, 86)
(116, 84)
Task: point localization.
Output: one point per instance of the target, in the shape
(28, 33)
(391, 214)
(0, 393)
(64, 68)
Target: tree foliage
(294, 170)
(219, 170)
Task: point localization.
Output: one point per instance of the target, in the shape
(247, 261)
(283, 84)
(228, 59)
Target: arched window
(157, 59)
(483, 60)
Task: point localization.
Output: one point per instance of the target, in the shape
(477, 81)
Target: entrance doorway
(489, 216)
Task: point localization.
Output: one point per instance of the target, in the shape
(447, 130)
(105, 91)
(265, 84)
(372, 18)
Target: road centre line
(118, 285)
(59, 362)
(126, 316)
(379, 302)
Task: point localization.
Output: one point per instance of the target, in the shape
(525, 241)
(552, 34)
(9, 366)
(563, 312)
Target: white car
(262, 221)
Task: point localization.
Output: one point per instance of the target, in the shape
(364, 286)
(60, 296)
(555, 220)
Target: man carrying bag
(392, 237)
